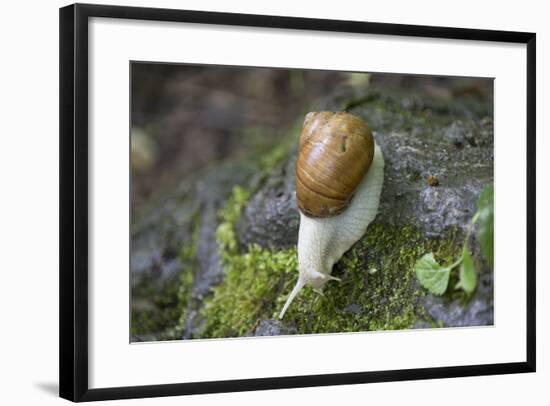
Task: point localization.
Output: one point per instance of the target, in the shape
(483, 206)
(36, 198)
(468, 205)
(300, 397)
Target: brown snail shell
(336, 151)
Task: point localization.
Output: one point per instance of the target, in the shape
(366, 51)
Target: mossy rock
(244, 263)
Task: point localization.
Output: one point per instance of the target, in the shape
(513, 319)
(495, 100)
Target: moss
(253, 283)
(153, 307)
(229, 216)
(378, 290)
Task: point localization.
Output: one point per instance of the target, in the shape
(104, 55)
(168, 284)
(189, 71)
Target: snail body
(338, 190)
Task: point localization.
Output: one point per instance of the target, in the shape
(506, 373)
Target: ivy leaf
(467, 274)
(431, 275)
(486, 220)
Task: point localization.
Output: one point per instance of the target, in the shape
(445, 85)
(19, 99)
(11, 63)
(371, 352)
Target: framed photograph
(257, 202)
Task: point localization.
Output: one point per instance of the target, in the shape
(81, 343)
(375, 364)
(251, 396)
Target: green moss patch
(253, 283)
(378, 290)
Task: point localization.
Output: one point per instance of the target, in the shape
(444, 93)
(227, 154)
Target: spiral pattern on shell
(335, 153)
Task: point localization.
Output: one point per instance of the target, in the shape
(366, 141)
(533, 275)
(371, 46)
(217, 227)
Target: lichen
(378, 290)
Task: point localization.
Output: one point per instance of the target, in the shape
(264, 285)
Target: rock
(462, 133)
(273, 328)
(271, 217)
(440, 208)
(157, 235)
(353, 308)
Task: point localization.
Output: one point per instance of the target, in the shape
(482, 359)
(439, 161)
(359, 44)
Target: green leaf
(486, 220)
(467, 274)
(431, 275)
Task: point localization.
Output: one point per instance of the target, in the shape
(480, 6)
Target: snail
(339, 176)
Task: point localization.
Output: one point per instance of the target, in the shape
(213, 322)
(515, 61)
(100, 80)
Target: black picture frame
(74, 171)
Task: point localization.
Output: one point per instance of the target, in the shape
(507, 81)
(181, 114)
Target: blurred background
(186, 117)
